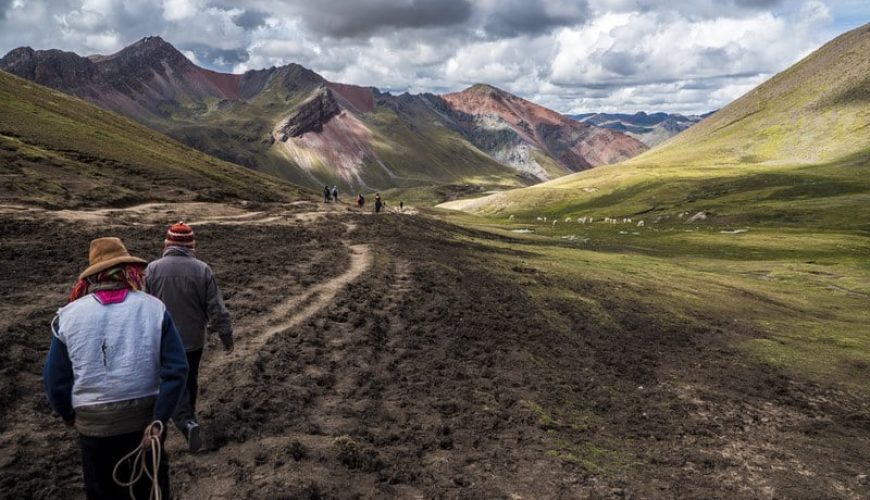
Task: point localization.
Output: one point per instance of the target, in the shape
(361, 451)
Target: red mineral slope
(333, 132)
(576, 146)
(361, 99)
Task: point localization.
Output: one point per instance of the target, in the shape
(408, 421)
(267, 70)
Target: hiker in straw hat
(116, 367)
(190, 291)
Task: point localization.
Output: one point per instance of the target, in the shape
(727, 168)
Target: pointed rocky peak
(298, 73)
(482, 98)
(486, 91)
(485, 88)
(152, 42)
(148, 51)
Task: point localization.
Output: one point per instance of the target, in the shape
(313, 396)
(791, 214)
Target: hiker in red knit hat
(188, 288)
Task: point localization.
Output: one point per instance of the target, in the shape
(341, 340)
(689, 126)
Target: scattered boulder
(697, 217)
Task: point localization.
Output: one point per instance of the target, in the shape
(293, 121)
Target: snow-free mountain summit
(291, 122)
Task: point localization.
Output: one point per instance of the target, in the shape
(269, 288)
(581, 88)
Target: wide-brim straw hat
(106, 253)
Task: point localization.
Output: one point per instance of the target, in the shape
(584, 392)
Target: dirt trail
(338, 361)
(293, 311)
(194, 213)
(381, 356)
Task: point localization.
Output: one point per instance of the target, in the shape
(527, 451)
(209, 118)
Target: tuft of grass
(594, 458)
(545, 420)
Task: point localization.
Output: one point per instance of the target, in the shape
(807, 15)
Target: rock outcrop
(310, 116)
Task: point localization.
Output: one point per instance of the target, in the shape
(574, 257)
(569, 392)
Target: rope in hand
(150, 442)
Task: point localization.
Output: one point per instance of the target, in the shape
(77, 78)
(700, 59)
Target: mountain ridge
(293, 123)
(797, 141)
(650, 128)
(538, 125)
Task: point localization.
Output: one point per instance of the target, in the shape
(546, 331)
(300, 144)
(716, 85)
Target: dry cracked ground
(386, 357)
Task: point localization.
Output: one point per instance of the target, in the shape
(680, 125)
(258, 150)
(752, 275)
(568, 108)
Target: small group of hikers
(330, 195)
(361, 201)
(379, 203)
(125, 355)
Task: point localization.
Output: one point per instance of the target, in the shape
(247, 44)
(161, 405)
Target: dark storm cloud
(571, 54)
(621, 63)
(758, 4)
(217, 58)
(341, 19)
(250, 19)
(701, 84)
(530, 17)
(131, 21)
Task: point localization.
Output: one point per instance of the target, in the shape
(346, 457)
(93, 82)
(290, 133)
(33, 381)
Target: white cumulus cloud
(572, 55)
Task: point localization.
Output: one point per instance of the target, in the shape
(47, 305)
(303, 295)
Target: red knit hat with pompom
(180, 235)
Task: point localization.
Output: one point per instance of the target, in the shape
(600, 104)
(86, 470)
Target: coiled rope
(140, 463)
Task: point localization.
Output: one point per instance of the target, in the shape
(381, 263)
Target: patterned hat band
(180, 234)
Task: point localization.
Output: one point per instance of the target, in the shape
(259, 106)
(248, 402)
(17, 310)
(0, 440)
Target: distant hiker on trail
(401, 206)
(360, 201)
(326, 194)
(115, 371)
(188, 288)
(335, 194)
(378, 203)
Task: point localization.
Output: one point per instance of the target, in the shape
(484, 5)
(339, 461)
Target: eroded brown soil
(430, 373)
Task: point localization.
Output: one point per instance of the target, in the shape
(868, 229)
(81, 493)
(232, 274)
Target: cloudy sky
(574, 56)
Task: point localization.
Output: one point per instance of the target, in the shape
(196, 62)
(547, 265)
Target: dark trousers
(186, 409)
(99, 456)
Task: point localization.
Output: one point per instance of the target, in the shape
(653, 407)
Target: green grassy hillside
(794, 151)
(816, 111)
(761, 212)
(59, 151)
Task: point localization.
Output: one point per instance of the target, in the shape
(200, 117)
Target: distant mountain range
(793, 151)
(652, 129)
(291, 122)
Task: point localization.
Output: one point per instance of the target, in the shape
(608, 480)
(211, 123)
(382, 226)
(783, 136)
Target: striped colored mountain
(292, 123)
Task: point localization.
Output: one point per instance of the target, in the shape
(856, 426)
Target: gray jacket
(188, 288)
